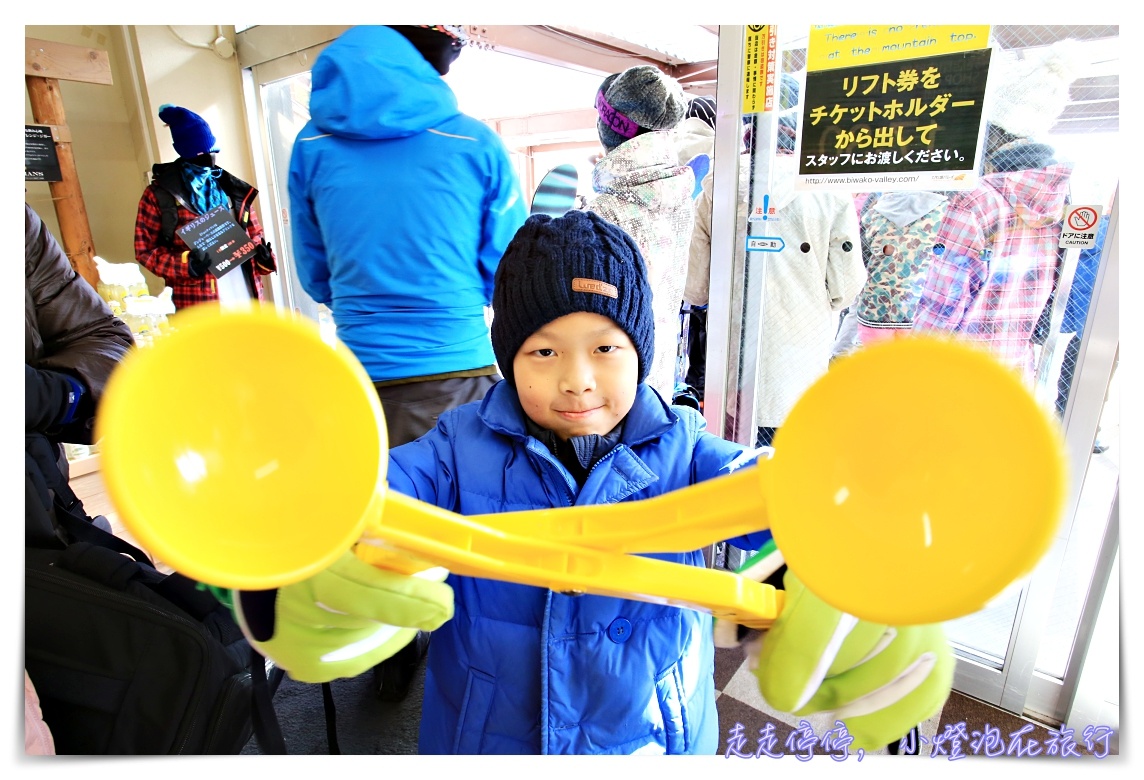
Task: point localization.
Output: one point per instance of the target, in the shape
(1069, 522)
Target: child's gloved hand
(879, 680)
(343, 620)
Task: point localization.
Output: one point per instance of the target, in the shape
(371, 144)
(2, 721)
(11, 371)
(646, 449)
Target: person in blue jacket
(401, 207)
(525, 670)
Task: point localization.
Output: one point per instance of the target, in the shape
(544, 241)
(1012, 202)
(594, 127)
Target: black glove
(197, 263)
(264, 258)
(51, 399)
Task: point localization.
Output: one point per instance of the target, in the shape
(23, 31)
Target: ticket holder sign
(219, 235)
(893, 107)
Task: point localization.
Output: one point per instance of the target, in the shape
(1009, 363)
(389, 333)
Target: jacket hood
(371, 84)
(695, 137)
(905, 208)
(1020, 155)
(1037, 195)
(648, 159)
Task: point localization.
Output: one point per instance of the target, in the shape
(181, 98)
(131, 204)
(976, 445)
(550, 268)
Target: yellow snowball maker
(911, 484)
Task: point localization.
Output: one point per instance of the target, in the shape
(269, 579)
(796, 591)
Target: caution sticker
(1079, 229)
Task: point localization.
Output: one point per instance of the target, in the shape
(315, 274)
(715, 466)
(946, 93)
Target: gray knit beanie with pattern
(639, 99)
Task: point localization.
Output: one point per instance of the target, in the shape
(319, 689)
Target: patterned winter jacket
(899, 231)
(641, 187)
(1000, 259)
(525, 670)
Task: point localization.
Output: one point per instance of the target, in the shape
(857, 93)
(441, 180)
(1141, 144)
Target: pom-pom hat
(577, 262)
(639, 99)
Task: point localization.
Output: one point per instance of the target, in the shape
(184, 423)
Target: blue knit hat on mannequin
(190, 133)
(192, 137)
(577, 262)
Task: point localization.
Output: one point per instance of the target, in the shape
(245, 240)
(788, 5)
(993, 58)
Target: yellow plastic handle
(680, 521)
(887, 478)
(467, 546)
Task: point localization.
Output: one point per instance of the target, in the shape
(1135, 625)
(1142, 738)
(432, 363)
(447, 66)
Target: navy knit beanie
(190, 133)
(577, 262)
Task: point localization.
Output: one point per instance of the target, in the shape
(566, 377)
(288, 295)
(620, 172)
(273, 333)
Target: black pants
(911, 746)
(696, 350)
(411, 410)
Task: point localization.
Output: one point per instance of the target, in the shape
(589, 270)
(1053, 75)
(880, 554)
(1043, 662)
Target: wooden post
(45, 63)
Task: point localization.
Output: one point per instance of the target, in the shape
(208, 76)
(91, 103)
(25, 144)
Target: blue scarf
(204, 190)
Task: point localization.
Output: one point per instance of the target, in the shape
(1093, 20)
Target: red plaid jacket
(168, 261)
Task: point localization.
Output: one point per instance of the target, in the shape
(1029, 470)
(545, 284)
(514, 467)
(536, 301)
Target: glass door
(1025, 651)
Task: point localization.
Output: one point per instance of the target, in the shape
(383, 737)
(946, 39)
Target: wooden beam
(61, 134)
(45, 64)
(66, 62)
(75, 230)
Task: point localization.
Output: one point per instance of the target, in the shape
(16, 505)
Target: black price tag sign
(40, 160)
(217, 234)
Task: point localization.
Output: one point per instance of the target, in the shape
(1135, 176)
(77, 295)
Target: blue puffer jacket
(401, 207)
(521, 669)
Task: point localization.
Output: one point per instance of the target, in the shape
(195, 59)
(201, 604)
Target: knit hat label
(580, 284)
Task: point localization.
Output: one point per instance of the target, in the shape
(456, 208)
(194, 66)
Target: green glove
(879, 680)
(343, 620)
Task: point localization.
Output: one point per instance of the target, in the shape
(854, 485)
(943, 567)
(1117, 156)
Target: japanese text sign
(217, 234)
(877, 117)
(760, 52)
(1080, 226)
(40, 160)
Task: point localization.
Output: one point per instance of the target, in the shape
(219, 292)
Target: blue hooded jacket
(401, 207)
(521, 669)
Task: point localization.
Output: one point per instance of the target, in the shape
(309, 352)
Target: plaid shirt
(1000, 261)
(167, 261)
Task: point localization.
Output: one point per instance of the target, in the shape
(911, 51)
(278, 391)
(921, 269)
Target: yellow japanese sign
(840, 46)
(894, 107)
(760, 52)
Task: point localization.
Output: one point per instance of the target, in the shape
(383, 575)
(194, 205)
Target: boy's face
(577, 375)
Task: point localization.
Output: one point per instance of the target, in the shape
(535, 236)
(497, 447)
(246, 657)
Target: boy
(520, 669)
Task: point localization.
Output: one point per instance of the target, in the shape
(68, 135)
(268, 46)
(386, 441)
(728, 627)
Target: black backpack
(128, 660)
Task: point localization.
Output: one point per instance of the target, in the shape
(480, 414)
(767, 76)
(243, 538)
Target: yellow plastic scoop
(913, 483)
(241, 449)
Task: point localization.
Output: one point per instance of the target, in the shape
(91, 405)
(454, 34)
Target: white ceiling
(489, 84)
